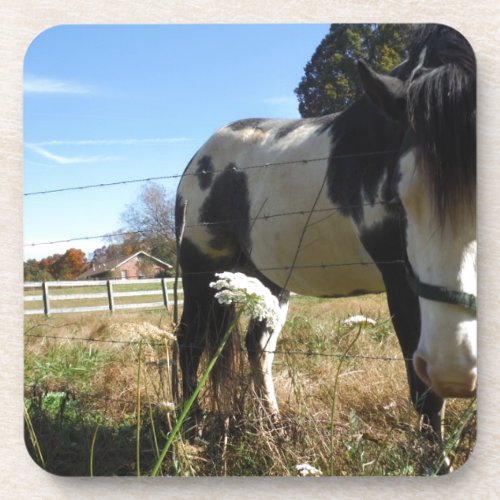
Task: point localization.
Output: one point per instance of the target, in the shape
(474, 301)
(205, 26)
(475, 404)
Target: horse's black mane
(442, 114)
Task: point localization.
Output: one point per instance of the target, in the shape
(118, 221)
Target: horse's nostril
(421, 368)
(458, 384)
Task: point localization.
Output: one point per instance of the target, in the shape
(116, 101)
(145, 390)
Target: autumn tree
(331, 81)
(67, 266)
(70, 265)
(48, 264)
(151, 223)
(120, 244)
(100, 254)
(149, 226)
(34, 271)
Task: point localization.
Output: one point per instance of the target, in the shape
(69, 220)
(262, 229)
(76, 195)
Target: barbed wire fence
(170, 372)
(202, 172)
(276, 351)
(266, 216)
(302, 162)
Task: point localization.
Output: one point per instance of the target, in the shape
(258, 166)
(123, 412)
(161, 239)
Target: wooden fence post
(165, 292)
(175, 352)
(111, 301)
(46, 302)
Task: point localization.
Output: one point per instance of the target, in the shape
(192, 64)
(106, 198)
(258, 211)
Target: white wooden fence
(165, 290)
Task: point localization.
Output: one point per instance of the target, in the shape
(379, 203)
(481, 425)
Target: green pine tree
(331, 81)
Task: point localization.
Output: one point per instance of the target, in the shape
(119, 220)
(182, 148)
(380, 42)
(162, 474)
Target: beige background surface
(22, 20)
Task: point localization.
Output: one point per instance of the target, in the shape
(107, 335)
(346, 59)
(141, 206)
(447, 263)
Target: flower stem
(189, 403)
(335, 395)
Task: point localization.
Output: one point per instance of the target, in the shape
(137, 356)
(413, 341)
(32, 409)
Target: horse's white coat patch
(374, 213)
(444, 257)
(296, 226)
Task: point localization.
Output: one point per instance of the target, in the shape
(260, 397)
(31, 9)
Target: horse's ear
(386, 92)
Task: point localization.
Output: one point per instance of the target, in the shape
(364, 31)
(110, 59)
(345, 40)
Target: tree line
(148, 226)
(330, 83)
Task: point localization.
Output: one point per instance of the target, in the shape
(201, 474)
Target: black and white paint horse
(378, 197)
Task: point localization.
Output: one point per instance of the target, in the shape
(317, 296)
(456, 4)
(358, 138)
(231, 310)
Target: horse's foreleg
(191, 345)
(405, 312)
(192, 335)
(261, 344)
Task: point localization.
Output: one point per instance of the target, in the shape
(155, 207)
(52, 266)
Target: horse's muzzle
(445, 384)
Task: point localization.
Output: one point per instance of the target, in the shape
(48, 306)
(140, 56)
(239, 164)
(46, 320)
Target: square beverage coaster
(250, 250)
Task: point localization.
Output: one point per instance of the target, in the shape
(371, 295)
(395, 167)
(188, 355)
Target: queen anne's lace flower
(359, 320)
(249, 293)
(307, 470)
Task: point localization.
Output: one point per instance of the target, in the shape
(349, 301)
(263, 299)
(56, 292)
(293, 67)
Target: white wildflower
(256, 300)
(307, 470)
(358, 320)
(168, 406)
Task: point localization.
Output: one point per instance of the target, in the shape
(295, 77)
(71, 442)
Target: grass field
(99, 400)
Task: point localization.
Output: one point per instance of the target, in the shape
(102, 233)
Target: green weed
(64, 365)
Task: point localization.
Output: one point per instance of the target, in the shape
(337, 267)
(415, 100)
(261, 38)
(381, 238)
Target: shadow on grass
(67, 441)
(65, 435)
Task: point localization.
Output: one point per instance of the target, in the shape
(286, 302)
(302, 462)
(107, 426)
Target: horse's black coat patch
(226, 211)
(386, 241)
(194, 261)
(288, 128)
(179, 215)
(248, 123)
(205, 172)
(372, 140)
(324, 123)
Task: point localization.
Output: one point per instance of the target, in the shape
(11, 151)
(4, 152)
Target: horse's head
(435, 102)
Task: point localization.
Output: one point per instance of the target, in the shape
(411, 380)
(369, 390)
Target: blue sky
(112, 103)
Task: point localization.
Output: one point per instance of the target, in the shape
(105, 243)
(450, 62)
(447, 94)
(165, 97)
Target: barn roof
(113, 264)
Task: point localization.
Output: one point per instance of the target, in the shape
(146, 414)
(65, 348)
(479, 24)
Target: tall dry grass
(84, 417)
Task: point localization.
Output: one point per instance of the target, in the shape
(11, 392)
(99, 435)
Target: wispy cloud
(39, 85)
(41, 148)
(68, 160)
(284, 106)
(110, 142)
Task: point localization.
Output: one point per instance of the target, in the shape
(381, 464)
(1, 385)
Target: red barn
(138, 265)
